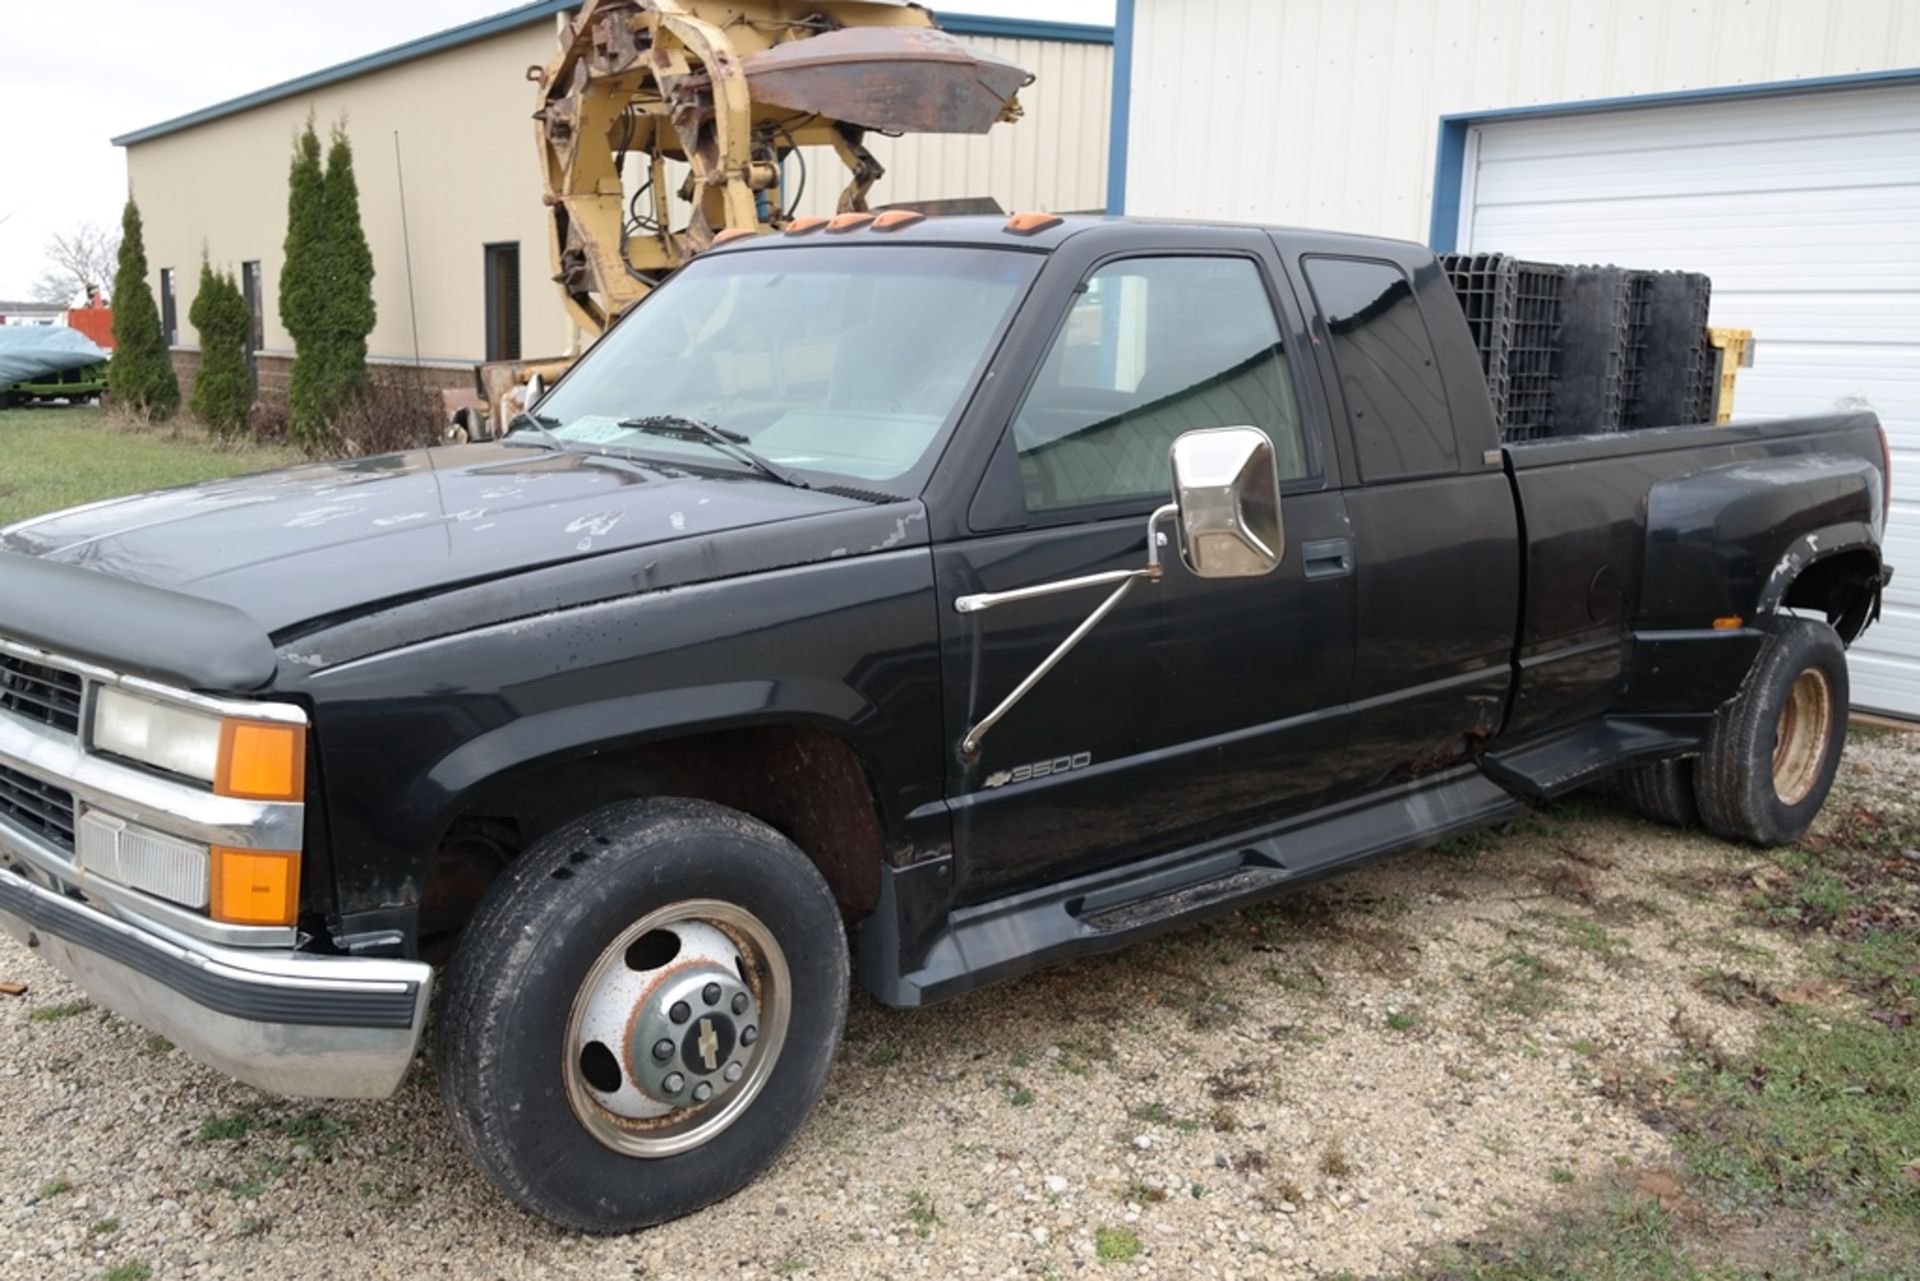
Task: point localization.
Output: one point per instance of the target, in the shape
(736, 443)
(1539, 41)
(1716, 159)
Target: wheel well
(806, 783)
(1839, 586)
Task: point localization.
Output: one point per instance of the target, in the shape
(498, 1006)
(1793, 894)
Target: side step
(1551, 766)
(1107, 910)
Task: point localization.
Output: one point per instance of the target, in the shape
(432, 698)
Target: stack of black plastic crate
(1568, 351)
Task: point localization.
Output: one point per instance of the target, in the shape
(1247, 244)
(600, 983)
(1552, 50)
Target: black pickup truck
(931, 599)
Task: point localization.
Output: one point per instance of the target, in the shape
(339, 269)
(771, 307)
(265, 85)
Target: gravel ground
(1342, 1081)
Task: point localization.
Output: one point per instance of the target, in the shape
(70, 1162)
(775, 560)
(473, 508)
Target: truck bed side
(1642, 547)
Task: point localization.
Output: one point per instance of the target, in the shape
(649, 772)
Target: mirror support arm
(1126, 580)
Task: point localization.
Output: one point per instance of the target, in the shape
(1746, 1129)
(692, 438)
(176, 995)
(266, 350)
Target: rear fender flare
(1808, 550)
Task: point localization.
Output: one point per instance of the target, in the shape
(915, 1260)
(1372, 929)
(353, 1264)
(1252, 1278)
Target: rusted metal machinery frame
(730, 89)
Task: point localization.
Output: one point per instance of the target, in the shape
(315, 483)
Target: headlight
(167, 737)
(258, 760)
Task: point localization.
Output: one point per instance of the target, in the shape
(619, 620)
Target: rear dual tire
(1772, 752)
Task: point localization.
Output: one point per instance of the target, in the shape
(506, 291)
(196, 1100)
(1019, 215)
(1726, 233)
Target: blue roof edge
(960, 24)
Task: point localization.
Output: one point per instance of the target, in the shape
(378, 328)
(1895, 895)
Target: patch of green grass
(1019, 1095)
(65, 1010)
(790, 1265)
(1402, 1021)
(103, 1227)
(61, 457)
(156, 1044)
(53, 1188)
(1116, 1245)
(1630, 1239)
(881, 1055)
(227, 1127)
(1827, 1112)
(131, 1270)
(1558, 1175)
(1154, 1113)
(921, 1214)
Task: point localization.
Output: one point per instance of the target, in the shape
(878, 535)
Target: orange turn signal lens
(732, 234)
(255, 887)
(1730, 623)
(261, 761)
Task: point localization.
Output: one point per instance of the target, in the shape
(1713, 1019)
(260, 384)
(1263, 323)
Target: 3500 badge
(1039, 769)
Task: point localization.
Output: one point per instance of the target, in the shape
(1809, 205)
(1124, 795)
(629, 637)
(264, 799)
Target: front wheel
(1772, 753)
(642, 1013)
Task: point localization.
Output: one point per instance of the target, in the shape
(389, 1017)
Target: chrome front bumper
(284, 1021)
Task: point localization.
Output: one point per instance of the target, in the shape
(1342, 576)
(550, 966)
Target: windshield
(839, 360)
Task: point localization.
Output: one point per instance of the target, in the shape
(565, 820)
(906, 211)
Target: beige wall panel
(466, 141)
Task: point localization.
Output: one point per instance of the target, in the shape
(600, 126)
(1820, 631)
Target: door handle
(1327, 557)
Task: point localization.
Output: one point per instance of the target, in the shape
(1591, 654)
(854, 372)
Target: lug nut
(680, 1012)
(702, 1092)
(710, 994)
(673, 1083)
(739, 1002)
(749, 1034)
(732, 1073)
(663, 1049)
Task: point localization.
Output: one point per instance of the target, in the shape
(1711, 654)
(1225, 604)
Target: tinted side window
(1401, 426)
(1154, 347)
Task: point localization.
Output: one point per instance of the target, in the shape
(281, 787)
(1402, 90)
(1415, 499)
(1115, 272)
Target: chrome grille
(41, 808)
(40, 693)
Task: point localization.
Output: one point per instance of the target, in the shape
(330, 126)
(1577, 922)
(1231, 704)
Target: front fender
(408, 737)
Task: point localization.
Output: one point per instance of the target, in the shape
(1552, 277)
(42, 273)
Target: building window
(250, 289)
(169, 313)
(503, 301)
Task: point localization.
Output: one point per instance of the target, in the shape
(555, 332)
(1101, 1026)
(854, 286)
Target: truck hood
(338, 538)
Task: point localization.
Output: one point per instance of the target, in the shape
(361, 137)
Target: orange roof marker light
(893, 219)
(848, 221)
(801, 226)
(732, 234)
(1026, 224)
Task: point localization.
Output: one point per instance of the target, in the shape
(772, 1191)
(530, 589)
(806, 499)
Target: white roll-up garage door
(1805, 210)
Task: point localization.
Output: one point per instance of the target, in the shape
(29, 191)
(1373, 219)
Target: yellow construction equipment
(663, 124)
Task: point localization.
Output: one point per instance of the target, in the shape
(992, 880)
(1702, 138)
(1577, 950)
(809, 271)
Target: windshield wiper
(533, 427)
(675, 427)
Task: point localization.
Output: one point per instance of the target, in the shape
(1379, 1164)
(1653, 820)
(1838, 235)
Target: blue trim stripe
(1450, 156)
(1119, 117)
(526, 15)
(976, 24)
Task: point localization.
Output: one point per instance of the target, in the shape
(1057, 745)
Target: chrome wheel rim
(676, 1028)
(1800, 738)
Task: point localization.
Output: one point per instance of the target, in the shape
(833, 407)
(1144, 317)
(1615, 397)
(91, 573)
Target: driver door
(1199, 706)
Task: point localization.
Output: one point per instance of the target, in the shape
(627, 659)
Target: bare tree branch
(78, 260)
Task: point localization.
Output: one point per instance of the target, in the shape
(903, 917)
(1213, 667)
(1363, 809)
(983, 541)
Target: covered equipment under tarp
(35, 351)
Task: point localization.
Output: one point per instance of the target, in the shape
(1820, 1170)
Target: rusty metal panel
(901, 79)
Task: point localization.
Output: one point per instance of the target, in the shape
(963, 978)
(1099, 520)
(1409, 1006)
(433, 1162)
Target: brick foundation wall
(275, 373)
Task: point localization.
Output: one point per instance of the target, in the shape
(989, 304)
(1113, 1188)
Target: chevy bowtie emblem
(709, 1044)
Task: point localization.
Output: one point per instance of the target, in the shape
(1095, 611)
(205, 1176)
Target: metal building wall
(1323, 113)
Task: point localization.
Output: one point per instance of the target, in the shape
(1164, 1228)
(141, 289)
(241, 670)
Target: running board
(1551, 766)
(1103, 911)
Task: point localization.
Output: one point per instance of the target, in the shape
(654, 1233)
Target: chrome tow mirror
(1227, 487)
(1226, 501)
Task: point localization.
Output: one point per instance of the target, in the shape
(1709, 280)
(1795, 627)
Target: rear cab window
(1396, 406)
